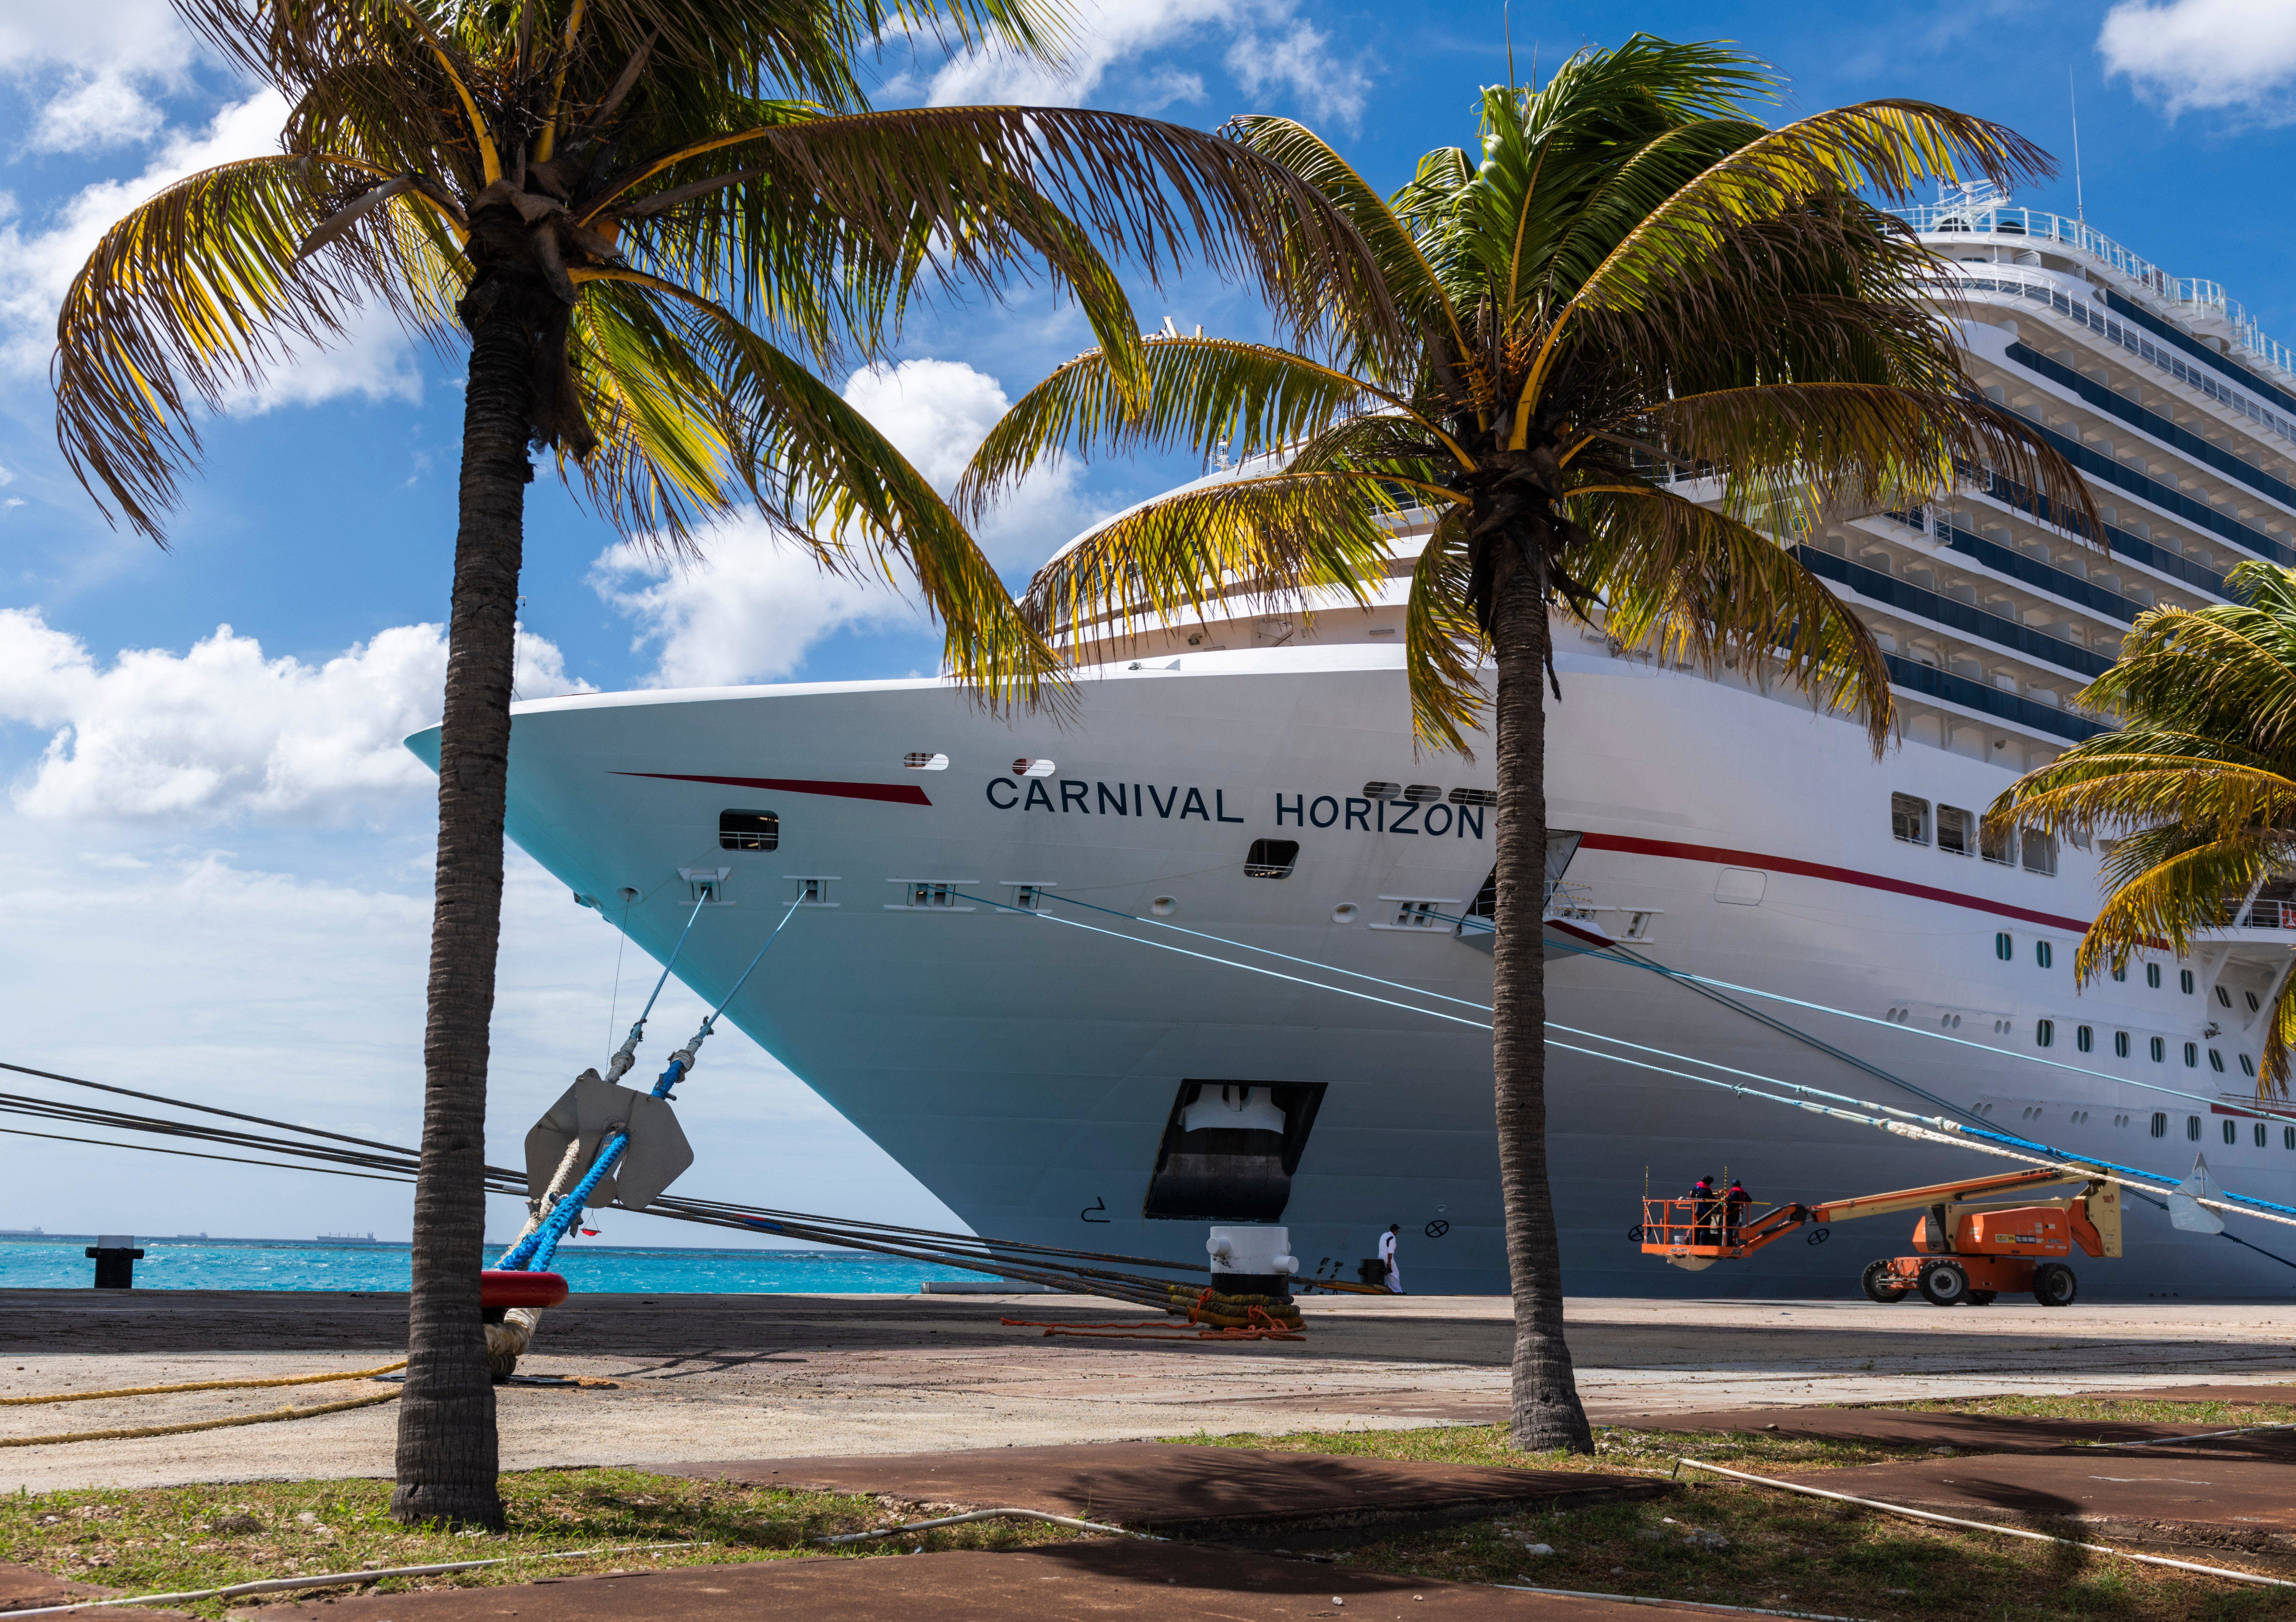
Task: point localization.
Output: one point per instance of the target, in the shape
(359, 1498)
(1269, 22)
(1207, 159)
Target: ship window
(1026, 768)
(2224, 996)
(1271, 858)
(1909, 819)
(749, 830)
(1423, 794)
(2192, 1055)
(2043, 953)
(2003, 948)
(1474, 796)
(1381, 791)
(1420, 915)
(2288, 1137)
(2247, 1065)
(2152, 975)
(2160, 1123)
(2084, 1038)
(2260, 1135)
(2253, 1005)
(2184, 979)
(2040, 851)
(1996, 842)
(2193, 1128)
(924, 760)
(2045, 1032)
(2230, 1131)
(2216, 1060)
(2121, 971)
(2120, 1044)
(2160, 1052)
(1956, 831)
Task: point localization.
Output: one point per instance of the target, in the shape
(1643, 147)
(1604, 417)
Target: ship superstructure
(1251, 775)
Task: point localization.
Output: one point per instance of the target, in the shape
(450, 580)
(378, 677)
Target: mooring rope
(198, 1385)
(128, 1433)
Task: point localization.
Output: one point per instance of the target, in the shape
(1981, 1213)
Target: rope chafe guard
(600, 1144)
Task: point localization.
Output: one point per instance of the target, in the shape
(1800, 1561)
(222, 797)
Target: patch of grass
(169, 1539)
(2132, 1410)
(1730, 1544)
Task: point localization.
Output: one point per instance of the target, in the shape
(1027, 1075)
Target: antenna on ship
(2072, 95)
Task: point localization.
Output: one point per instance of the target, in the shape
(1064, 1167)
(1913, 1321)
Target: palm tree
(651, 219)
(2198, 781)
(1632, 278)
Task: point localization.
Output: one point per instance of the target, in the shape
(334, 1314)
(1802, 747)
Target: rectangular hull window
(1229, 1152)
(749, 830)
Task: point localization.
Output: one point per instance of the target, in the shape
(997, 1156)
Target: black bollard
(116, 1256)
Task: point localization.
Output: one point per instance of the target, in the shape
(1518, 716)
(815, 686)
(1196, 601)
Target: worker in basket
(1705, 1206)
(1733, 1210)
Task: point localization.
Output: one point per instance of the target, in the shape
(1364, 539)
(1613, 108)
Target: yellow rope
(199, 1385)
(290, 1412)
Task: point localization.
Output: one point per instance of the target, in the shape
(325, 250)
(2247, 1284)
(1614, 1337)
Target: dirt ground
(719, 1376)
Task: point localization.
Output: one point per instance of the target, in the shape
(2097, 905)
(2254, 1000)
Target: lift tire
(2054, 1284)
(1875, 1289)
(1943, 1284)
(1982, 1297)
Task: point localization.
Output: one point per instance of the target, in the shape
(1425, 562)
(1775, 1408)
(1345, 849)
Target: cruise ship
(985, 969)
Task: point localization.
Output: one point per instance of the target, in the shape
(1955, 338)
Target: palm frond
(199, 291)
(1443, 648)
(1201, 394)
(1715, 594)
(1270, 539)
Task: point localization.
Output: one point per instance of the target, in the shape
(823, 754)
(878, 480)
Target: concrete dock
(702, 1378)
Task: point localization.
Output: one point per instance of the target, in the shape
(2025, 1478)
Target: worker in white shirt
(1387, 1255)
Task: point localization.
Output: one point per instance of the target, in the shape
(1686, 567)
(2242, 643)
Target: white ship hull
(1025, 1071)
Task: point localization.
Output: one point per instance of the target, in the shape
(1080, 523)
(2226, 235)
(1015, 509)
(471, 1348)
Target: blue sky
(216, 855)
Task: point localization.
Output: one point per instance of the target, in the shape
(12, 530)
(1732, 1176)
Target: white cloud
(93, 38)
(222, 732)
(756, 604)
(374, 359)
(1270, 46)
(751, 611)
(2207, 55)
(102, 111)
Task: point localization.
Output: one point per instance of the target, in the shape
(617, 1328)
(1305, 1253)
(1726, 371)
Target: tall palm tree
(2199, 782)
(651, 221)
(1632, 277)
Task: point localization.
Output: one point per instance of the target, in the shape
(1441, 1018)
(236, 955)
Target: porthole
(2193, 1128)
(1271, 858)
(1381, 791)
(2230, 1131)
(2121, 971)
(2045, 1032)
(1474, 796)
(2288, 1137)
(2160, 1123)
(2253, 1005)
(1423, 794)
(924, 760)
(2192, 1055)
(1026, 768)
(2260, 1135)
(2084, 1038)
(2216, 1060)
(2003, 948)
(2120, 1044)
(2247, 1065)
(2152, 975)
(2184, 981)
(2224, 996)
(2043, 954)
(2160, 1052)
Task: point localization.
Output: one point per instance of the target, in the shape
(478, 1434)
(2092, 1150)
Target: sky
(215, 854)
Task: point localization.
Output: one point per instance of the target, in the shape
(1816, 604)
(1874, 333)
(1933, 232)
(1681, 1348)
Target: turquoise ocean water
(190, 1264)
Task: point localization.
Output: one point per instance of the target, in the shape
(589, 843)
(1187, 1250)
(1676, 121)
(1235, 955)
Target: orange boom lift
(1966, 1254)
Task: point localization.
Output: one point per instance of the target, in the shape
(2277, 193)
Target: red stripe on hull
(896, 793)
(1814, 869)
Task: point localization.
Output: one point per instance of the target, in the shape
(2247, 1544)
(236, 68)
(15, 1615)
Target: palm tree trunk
(447, 1456)
(1546, 1413)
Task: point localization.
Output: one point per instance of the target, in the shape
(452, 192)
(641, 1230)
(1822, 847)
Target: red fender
(521, 1289)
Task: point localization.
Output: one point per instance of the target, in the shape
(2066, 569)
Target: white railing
(2259, 914)
(2195, 298)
